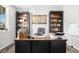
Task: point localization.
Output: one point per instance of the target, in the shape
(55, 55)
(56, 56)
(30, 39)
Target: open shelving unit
(22, 25)
(56, 21)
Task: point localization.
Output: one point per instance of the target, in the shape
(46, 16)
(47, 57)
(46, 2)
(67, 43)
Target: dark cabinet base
(58, 46)
(40, 46)
(22, 46)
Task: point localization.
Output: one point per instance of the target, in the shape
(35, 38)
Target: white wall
(71, 16)
(7, 37)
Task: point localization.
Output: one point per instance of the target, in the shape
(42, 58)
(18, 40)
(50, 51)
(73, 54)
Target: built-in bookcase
(56, 21)
(22, 25)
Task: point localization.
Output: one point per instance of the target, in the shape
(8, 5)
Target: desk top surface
(38, 39)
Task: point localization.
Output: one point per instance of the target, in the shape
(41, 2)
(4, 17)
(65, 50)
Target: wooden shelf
(56, 22)
(54, 27)
(55, 18)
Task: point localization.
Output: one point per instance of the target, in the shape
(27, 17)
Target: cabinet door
(22, 46)
(40, 46)
(58, 46)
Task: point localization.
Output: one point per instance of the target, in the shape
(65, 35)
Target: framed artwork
(39, 19)
(2, 17)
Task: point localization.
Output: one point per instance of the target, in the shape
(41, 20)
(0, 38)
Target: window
(2, 17)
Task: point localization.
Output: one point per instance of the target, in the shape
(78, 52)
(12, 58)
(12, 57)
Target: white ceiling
(23, 7)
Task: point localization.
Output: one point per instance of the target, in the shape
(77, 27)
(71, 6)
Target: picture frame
(39, 19)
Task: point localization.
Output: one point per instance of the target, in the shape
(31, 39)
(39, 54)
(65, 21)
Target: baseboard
(7, 46)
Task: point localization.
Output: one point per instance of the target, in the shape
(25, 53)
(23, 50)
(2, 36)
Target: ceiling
(23, 7)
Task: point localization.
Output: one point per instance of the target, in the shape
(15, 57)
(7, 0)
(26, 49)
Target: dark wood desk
(40, 46)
